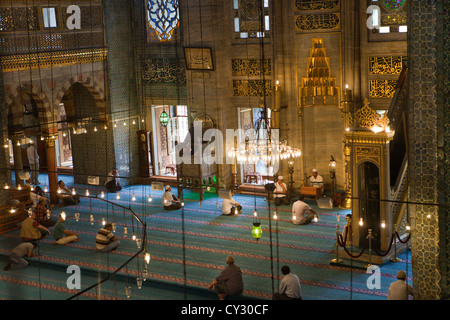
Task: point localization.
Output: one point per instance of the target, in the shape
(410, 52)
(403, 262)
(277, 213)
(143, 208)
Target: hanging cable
(266, 123)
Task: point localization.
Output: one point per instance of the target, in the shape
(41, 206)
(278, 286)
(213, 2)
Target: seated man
(105, 240)
(290, 287)
(280, 192)
(41, 213)
(61, 235)
(169, 200)
(229, 282)
(299, 209)
(230, 206)
(316, 180)
(112, 183)
(32, 231)
(65, 195)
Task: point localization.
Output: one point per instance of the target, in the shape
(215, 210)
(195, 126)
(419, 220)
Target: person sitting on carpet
(105, 240)
(41, 213)
(280, 192)
(32, 231)
(169, 200)
(112, 183)
(290, 288)
(36, 194)
(229, 282)
(400, 290)
(16, 256)
(230, 207)
(61, 235)
(65, 195)
(299, 209)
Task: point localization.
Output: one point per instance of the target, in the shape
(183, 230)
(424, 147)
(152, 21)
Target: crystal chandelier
(267, 150)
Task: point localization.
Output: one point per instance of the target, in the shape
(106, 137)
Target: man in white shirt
(400, 290)
(316, 180)
(299, 209)
(112, 183)
(169, 200)
(280, 192)
(290, 288)
(230, 207)
(33, 160)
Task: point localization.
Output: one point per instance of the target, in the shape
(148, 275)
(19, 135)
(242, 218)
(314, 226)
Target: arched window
(163, 18)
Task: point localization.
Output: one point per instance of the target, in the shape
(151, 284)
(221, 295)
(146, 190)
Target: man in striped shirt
(105, 240)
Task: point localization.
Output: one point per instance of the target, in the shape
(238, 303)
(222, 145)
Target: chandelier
(267, 150)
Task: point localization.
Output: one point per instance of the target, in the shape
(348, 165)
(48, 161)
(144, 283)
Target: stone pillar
(120, 42)
(427, 112)
(52, 169)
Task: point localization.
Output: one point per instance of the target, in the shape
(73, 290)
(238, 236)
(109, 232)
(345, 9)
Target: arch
(43, 107)
(368, 191)
(93, 87)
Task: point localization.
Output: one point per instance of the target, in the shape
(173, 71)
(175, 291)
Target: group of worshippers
(302, 213)
(230, 283)
(36, 226)
(33, 230)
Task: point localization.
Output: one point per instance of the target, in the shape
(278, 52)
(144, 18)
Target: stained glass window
(163, 18)
(393, 5)
(247, 18)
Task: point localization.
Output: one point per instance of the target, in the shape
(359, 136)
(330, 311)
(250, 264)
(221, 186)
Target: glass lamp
(164, 118)
(256, 231)
(332, 166)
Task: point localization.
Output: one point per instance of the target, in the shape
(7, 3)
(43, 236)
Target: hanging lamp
(164, 119)
(256, 230)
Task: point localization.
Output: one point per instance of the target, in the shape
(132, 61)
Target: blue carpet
(188, 249)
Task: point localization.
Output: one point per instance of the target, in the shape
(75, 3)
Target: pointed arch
(14, 105)
(93, 87)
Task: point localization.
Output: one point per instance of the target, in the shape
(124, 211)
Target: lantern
(256, 231)
(164, 118)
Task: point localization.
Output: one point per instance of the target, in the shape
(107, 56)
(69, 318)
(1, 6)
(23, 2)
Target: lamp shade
(164, 118)
(256, 231)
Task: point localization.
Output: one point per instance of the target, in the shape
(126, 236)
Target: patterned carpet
(188, 249)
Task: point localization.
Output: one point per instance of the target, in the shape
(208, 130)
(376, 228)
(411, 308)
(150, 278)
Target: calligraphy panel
(165, 70)
(390, 65)
(323, 21)
(310, 5)
(251, 67)
(382, 88)
(252, 88)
